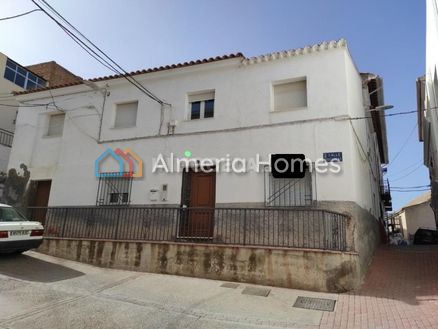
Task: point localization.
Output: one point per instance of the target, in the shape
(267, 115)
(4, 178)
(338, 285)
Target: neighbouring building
(15, 77)
(427, 102)
(311, 101)
(414, 215)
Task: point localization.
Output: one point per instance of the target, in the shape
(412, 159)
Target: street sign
(332, 156)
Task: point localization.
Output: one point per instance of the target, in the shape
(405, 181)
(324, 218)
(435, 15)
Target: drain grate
(263, 292)
(320, 304)
(229, 285)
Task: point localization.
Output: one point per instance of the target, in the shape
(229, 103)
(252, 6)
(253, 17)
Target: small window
(126, 115)
(22, 77)
(9, 74)
(119, 198)
(201, 105)
(195, 110)
(209, 108)
(113, 190)
(20, 80)
(288, 192)
(290, 95)
(56, 124)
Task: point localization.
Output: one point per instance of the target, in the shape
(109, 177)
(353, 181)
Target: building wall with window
(294, 102)
(17, 78)
(9, 106)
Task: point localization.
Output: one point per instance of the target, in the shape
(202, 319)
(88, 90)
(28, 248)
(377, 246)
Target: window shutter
(290, 95)
(126, 115)
(56, 124)
(199, 97)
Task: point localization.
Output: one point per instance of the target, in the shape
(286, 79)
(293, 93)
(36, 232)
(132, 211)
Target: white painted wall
(431, 91)
(9, 105)
(8, 110)
(414, 217)
(243, 125)
(4, 157)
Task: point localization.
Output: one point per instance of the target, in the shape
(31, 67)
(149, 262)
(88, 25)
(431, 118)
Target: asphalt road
(39, 291)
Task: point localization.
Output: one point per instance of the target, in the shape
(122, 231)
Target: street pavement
(39, 291)
(400, 291)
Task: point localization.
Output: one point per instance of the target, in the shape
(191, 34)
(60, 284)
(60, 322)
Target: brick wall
(54, 73)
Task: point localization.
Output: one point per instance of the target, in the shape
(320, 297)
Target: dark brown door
(198, 221)
(41, 200)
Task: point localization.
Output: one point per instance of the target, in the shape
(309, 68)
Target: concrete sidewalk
(400, 291)
(39, 291)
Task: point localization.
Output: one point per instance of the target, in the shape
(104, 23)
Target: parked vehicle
(426, 236)
(18, 234)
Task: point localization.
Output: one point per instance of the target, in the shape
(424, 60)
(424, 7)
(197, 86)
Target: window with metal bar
(114, 189)
(288, 192)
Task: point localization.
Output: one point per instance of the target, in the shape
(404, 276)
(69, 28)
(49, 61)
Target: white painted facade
(8, 112)
(9, 106)
(428, 103)
(416, 214)
(244, 124)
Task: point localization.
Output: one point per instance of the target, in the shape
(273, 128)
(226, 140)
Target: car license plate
(15, 233)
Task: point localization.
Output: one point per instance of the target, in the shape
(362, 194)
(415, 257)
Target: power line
(388, 114)
(403, 145)
(24, 105)
(20, 15)
(409, 173)
(415, 164)
(409, 187)
(402, 191)
(94, 51)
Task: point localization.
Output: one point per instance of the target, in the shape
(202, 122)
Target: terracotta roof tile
(246, 61)
(138, 72)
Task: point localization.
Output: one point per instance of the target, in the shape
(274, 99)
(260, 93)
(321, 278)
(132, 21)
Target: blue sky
(385, 37)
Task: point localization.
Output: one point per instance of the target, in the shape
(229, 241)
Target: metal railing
(6, 137)
(271, 227)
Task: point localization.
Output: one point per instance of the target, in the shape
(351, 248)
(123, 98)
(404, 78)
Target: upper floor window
(126, 115)
(290, 95)
(56, 124)
(201, 105)
(22, 77)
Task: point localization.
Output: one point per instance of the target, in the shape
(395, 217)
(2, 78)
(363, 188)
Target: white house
(310, 101)
(414, 215)
(14, 78)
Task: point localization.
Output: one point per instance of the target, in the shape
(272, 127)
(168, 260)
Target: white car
(17, 234)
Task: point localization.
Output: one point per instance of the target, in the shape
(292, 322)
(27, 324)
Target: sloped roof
(133, 73)
(425, 197)
(323, 46)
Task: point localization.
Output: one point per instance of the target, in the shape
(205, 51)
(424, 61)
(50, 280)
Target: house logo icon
(127, 161)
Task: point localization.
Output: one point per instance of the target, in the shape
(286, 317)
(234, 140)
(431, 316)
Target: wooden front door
(41, 200)
(198, 219)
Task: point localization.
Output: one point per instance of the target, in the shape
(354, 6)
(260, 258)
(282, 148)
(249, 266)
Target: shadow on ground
(33, 269)
(407, 274)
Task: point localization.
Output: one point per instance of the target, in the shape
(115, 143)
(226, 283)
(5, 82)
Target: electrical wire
(416, 164)
(102, 57)
(390, 114)
(409, 187)
(403, 145)
(20, 15)
(404, 191)
(409, 173)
